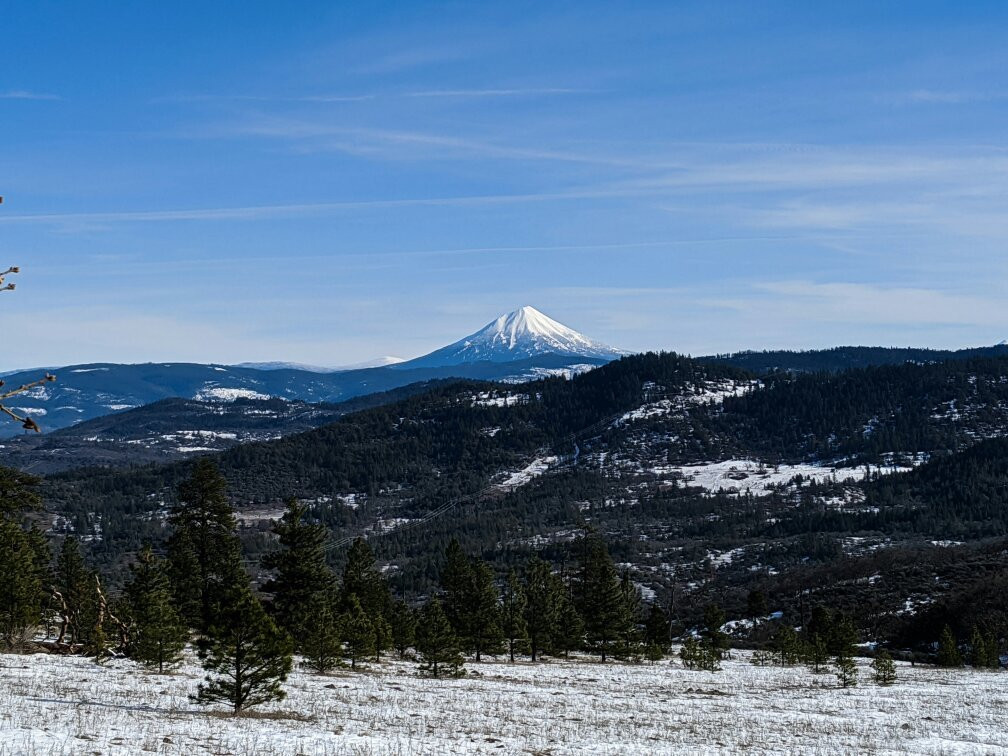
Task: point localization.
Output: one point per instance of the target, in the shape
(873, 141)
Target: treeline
(200, 592)
(847, 358)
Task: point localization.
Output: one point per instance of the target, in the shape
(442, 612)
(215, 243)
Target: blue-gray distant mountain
(524, 345)
(522, 334)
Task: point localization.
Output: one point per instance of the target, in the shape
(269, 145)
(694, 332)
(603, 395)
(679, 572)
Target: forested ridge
(618, 445)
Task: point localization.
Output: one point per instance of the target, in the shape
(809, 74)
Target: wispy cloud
(338, 97)
(270, 212)
(521, 92)
(22, 94)
(945, 96)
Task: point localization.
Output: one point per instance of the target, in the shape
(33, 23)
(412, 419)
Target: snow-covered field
(54, 705)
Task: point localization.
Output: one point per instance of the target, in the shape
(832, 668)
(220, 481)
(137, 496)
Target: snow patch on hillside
(218, 394)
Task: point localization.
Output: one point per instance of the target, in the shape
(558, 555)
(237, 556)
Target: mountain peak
(518, 335)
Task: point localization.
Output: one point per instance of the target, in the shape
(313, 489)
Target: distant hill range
(523, 345)
(847, 357)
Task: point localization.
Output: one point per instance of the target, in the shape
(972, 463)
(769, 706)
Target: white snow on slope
(211, 394)
(712, 391)
(517, 335)
(746, 475)
(534, 469)
(55, 704)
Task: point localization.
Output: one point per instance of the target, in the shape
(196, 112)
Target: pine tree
(403, 628)
(846, 670)
(457, 592)
(513, 616)
(159, 633)
(691, 653)
(948, 649)
(301, 573)
(322, 641)
(20, 588)
(634, 608)
(756, 604)
(569, 632)
(816, 654)
(657, 628)
(246, 656)
(358, 631)
(72, 592)
(603, 601)
(993, 657)
(884, 668)
(844, 638)
(716, 640)
(436, 641)
(484, 619)
(18, 493)
(540, 604)
(978, 649)
(203, 544)
(363, 582)
(786, 645)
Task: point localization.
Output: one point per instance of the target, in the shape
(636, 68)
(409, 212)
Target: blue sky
(330, 182)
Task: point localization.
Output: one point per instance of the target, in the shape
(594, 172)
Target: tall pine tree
(541, 605)
(202, 546)
(301, 576)
(159, 633)
(436, 642)
(246, 656)
(513, 616)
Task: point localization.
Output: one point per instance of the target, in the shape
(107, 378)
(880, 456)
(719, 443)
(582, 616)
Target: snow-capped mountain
(523, 334)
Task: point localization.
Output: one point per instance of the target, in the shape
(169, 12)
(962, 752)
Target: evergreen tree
(436, 641)
(948, 649)
(362, 582)
(844, 638)
(816, 654)
(786, 645)
(72, 591)
(457, 592)
(403, 628)
(18, 493)
(246, 656)
(604, 607)
(540, 592)
(690, 653)
(203, 544)
(159, 633)
(978, 649)
(301, 573)
(717, 641)
(845, 670)
(513, 625)
(634, 607)
(20, 588)
(484, 617)
(358, 631)
(322, 640)
(657, 627)
(884, 668)
(756, 604)
(993, 657)
(569, 631)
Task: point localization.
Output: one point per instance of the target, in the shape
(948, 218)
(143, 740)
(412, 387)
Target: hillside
(706, 481)
(173, 429)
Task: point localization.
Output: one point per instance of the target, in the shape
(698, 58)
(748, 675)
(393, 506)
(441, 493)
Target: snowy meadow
(56, 705)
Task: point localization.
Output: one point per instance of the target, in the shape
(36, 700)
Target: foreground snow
(51, 705)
